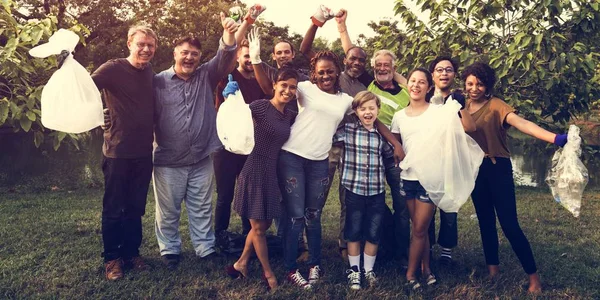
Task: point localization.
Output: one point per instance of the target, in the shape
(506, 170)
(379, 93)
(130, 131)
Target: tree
(545, 53)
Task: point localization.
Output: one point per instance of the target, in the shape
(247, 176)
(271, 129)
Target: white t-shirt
(410, 129)
(319, 114)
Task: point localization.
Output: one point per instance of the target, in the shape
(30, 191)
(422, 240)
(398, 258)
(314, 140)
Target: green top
(391, 101)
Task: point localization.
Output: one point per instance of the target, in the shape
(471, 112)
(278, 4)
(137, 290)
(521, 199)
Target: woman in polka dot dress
(257, 195)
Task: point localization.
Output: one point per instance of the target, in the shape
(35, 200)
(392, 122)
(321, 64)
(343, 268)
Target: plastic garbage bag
(568, 176)
(71, 101)
(446, 160)
(235, 126)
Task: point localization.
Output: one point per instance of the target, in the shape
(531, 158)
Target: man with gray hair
(126, 86)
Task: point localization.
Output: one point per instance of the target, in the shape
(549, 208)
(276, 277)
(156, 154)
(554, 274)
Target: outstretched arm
(259, 72)
(530, 128)
(317, 20)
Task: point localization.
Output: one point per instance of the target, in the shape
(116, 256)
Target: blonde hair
(383, 52)
(364, 97)
(143, 28)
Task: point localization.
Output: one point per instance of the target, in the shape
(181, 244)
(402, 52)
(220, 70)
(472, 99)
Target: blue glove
(231, 87)
(560, 140)
(459, 97)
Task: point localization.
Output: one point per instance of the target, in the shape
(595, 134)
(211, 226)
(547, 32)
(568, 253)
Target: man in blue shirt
(186, 136)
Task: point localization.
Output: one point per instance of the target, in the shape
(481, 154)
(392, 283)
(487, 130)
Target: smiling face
(243, 60)
(418, 86)
(355, 62)
(325, 75)
(283, 54)
(475, 88)
(443, 75)
(384, 69)
(141, 48)
(187, 59)
(285, 90)
(367, 113)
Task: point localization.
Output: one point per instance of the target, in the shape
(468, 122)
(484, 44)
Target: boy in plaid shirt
(363, 178)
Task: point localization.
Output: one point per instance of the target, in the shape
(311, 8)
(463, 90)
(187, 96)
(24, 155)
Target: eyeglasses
(441, 70)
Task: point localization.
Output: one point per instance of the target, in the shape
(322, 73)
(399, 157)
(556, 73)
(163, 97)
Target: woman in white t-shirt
(303, 163)
(409, 124)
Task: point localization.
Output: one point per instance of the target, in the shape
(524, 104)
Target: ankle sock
(369, 262)
(354, 260)
(446, 252)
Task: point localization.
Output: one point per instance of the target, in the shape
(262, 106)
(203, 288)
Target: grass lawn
(50, 245)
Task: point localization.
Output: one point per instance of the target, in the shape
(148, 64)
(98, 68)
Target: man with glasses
(443, 69)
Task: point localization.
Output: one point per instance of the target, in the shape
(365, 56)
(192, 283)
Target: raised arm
(531, 128)
(317, 20)
(218, 66)
(343, 30)
(263, 79)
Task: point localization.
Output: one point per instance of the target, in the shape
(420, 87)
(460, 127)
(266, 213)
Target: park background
(547, 58)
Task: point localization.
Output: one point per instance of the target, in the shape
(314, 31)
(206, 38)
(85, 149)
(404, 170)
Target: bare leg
(241, 265)
(420, 215)
(535, 285)
(259, 241)
(370, 249)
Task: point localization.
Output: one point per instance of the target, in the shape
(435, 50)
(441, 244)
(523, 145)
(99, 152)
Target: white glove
(254, 46)
(322, 15)
(254, 12)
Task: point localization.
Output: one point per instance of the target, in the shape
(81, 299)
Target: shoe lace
(297, 279)
(371, 275)
(315, 272)
(353, 276)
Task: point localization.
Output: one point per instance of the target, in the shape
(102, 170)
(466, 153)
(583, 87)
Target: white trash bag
(568, 176)
(71, 101)
(235, 126)
(447, 160)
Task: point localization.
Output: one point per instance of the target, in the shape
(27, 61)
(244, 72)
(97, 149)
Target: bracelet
(343, 30)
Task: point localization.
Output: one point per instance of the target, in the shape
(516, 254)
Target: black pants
(126, 183)
(227, 167)
(448, 235)
(494, 195)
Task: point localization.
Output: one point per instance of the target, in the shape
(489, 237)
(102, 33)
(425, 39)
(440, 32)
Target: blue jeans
(303, 184)
(194, 185)
(401, 215)
(364, 216)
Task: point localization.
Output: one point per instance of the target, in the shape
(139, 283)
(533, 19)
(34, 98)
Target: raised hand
(341, 16)
(229, 24)
(254, 46)
(321, 16)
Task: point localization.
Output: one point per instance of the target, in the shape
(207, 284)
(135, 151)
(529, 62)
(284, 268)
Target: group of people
(306, 127)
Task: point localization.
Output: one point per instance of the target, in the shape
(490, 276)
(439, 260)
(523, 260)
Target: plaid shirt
(363, 172)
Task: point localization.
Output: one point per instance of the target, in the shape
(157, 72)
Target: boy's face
(367, 113)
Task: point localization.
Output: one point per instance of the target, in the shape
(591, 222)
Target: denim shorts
(412, 189)
(364, 216)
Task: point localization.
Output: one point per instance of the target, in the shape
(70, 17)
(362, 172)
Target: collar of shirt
(359, 126)
(170, 73)
(395, 90)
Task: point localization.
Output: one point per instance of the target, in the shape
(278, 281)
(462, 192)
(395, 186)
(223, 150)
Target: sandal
(412, 285)
(431, 279)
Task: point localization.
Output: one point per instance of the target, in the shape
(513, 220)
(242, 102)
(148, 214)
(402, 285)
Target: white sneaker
(371, 278)
(314, 274)
(295, 278)
(353, 279)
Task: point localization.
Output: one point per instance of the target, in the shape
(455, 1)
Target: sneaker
(295, 278)
(314, 274)
(114, 269)
(371, 278)
(445, 261)
(431, 279)
(135, 263)
(171, 261)
(353, 275)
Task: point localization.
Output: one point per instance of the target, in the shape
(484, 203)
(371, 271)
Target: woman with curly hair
(494, 192)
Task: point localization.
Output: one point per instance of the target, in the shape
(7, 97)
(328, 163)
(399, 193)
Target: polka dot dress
(257, 194)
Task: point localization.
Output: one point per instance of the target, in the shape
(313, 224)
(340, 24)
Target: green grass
(50, 245)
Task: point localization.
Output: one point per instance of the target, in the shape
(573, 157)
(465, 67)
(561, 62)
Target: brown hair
(190, 39)
(363, 97)
(143, 28)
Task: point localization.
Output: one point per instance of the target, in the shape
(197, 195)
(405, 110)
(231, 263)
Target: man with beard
(126, 84)
(228, 165)
(186, 136)
(443, 69)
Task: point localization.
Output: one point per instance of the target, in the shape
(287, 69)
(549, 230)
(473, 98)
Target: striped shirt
(363, 172)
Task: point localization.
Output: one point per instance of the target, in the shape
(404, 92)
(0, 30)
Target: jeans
(335, 157)
(364, 217)
(227, 167)
(494, 194)
(448, 235)
(401, 214)
(303, 186)
(126, 183)
(194, 185)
